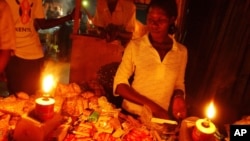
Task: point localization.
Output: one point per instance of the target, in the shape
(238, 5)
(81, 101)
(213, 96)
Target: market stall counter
(78, 114)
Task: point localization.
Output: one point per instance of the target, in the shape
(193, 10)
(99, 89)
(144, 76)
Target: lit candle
(45, 104)
(210, 112)
(48, 84)
(204, 128)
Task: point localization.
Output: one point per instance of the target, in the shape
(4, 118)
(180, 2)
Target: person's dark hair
(170, 8)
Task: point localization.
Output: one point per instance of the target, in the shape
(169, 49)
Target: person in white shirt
(157, 63)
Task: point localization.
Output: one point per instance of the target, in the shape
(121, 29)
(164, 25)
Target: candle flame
(48, 83)
(211, 110)
(90, 21)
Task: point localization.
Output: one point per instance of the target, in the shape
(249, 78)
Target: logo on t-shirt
(24, 10)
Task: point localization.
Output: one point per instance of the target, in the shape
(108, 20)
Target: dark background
(217, 35)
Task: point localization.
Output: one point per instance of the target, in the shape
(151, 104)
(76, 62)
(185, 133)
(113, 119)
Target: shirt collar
(117, 8)
(145, 39)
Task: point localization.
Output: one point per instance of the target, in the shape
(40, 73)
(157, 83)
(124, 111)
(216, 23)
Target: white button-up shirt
(153, 78)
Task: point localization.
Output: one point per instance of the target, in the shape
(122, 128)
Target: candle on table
(204, 128)
(45, 104)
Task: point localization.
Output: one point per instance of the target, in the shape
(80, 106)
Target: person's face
(158, 22)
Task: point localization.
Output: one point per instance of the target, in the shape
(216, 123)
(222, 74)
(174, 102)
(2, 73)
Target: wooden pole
(77, 16)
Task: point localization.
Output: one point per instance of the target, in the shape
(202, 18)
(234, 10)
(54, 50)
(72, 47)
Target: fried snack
(244, 121)
(4, 125)
(12, 105)
(68, 90)
(74, 106)
(23, 95)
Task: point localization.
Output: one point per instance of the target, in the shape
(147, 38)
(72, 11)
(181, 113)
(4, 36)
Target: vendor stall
(90, 51)
(71, 113)
(74, 112)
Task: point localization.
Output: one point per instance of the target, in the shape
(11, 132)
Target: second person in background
(116, 19)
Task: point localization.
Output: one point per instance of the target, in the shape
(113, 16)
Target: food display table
(79, 115)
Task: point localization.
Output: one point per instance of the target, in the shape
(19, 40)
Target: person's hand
(163, 114)
(179, 109)
(112, 32)
(159, 112)
(101, 32)
(36, 25)
(73, 12)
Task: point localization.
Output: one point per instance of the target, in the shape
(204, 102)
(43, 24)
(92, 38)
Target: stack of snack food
(92, 117)
(85, 116)
(12, 108)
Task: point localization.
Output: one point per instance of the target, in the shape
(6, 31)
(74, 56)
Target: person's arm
(130, 94)
(49, 23)
(179, 109)
(43, 23)
(4, 57)
(125, 37)
(7, 37)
